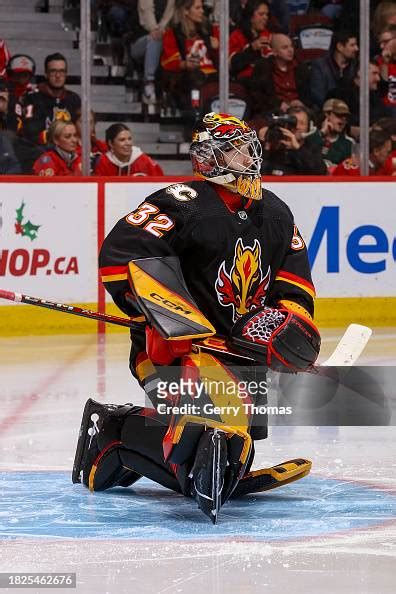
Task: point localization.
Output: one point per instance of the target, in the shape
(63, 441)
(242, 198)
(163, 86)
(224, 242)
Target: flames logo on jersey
(224, 126)
(244, 288)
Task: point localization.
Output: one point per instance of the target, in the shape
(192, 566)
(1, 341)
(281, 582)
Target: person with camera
(285, 150)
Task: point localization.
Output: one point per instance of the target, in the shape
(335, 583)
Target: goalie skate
(86, 446)
(208, 472)
(272, 478)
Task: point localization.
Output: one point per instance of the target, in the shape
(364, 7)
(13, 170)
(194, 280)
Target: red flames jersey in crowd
(239, 42)
(171, 57)
(139, 164)
(235, 257)
(51, 163)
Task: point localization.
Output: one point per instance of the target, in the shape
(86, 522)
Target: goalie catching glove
(281, 339)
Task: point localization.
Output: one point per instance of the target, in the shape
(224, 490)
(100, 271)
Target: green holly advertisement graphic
(26, 229)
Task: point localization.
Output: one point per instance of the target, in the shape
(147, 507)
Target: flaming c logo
(224, 126)
(244, 288)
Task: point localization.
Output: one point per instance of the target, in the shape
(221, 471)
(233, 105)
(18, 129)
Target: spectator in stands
(154, 18)
(338, 65)
(189, 53)
(123, 158)
(384, 38)
(384, 15)
(26, 152)
(285, 151)
(98, 147)
(388, 78)
(9, 109)
(380, 148)
(62, 158)
(9, 164)
(251, 41)
(4, 58)
(51, 101)
(278, 80)
(350, 94)
(20, 73)
(331, 140)
(388, 125)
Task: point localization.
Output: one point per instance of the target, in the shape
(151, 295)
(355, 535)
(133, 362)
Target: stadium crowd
(294, 68)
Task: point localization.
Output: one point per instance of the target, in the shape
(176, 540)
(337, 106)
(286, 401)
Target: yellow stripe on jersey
(296, 284)
(296, 308)
(111, 278)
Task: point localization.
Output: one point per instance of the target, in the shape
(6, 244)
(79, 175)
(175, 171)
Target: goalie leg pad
(271, 478)
(118, 445)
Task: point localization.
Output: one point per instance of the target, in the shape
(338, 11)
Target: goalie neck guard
(225, 151)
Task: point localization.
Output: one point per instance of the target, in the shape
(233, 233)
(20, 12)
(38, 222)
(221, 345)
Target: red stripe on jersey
(110, 270)
(297, 279)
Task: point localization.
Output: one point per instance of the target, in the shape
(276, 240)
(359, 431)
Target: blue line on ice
(47, 505)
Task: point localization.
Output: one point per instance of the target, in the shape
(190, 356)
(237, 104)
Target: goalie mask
(226, 151)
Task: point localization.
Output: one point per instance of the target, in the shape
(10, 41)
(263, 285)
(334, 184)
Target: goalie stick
(346, 353)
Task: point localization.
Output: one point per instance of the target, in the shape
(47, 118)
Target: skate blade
(210, 505)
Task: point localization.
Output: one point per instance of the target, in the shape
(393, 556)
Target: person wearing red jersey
(251, 41)
(387, 65)
(98, 147)
(123, 158)
(380, 147)
(62, 159)
(189, 54)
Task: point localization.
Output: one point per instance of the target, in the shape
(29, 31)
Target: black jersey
(40, 108)
(231, 262)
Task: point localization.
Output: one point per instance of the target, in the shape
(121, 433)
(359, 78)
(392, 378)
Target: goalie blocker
(282, 339)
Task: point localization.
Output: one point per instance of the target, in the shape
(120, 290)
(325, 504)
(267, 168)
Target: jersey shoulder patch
(181, 192)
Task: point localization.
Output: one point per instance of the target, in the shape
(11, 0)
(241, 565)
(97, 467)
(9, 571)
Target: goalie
(219, 261)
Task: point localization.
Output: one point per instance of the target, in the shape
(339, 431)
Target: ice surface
(334, 531)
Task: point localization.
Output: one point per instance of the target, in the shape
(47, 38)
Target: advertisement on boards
(48, 240)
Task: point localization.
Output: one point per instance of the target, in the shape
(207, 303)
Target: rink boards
(50, 233)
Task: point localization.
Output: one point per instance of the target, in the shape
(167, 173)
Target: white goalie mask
(225, 151)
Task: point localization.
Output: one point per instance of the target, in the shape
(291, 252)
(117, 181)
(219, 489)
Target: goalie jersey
(234, 258)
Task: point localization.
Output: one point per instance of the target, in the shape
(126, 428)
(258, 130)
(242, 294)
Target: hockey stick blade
(350, 347)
